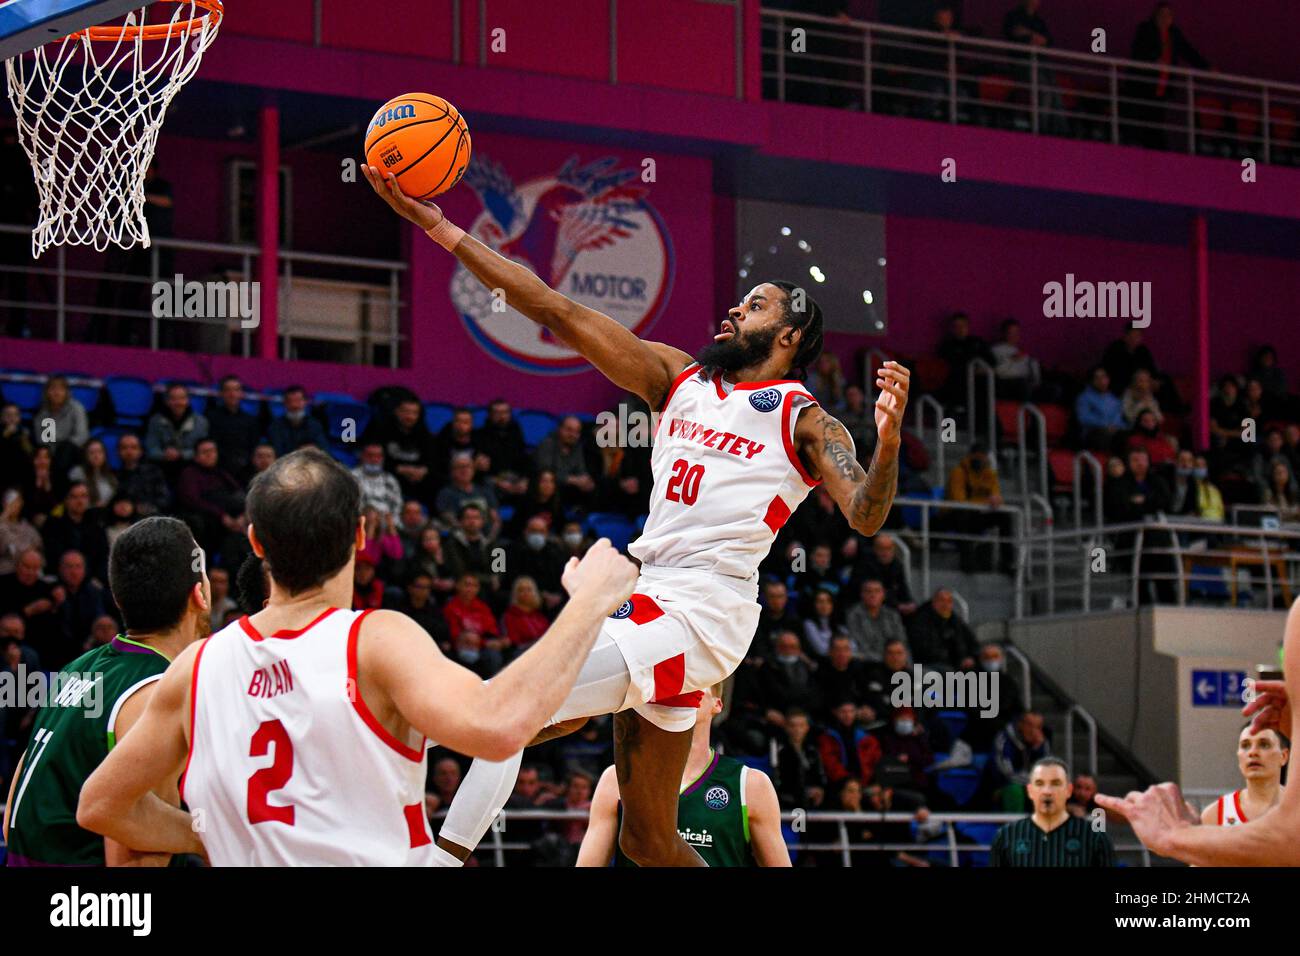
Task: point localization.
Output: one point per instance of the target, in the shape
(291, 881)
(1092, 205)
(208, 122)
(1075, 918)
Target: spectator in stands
(445, 777)
(1017, 373)
(959, 348)
(383, 546)
(41, 494)
(827, 383)
(418, 604)
(1140, 397)
(15, 446)
(379, 489)
(975, 481)
(429, 559)
(174, 432)
(1291, 444)
(843, 677)
(775, 617)
(1282, 492)
(819, 575)
(528, 795)
(410, 526)
(847, 750)
(928, 62)
(818, 521)
(574, 539)
(542, 498)
(905, 745)
(456, 439)
(1024, 24)
(14, 628)
(103, 630)
(1083, 801)
(578, 787)
(408, 449)
(1161, 448)
(1253, 401)
(524, 621)
(1128, 496)
(235, 431)
(95, 472)
(980, 730)
(464, 490)
(82, 604)
(1209, 498)
(141, 481)
(787, 680)
(501, 441)
(882, 678)
(1017, 747)
(821, 625)
(263, 458)
(625, 477)
(881, 563)
(471, 651)
(1227, 410)
(467, 610)
(1261, 458)
(1147, 94)
(1124, 356)
(859, 420)
(209, 498)
(221, 603)
(1100, 413)
(939, 638)
(469, 549)
(120, 516)
(800, 778)
(1183, 498)
(297, 427)
(61, 423)
(77, 529)
(540, 557)
(29, 594)
(871, 623)
(17, 534)
(561, 453)
(367, 588)
(1264, 369)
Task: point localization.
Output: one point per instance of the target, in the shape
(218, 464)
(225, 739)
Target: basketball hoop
(90, 107)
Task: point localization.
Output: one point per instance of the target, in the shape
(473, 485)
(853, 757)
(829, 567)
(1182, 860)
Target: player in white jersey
(738, 445)
(302, 728)
(1260, 758)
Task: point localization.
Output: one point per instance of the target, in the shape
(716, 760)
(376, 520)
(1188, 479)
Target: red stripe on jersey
(691, 699)
(1236, 799)
(778, 513)
(285, 635)
(417, 824)
(359, 705)
(669, 677)
(717, 383)
(644, 609)
(194, 696)
(1220, 811)
(786, 407)
(682, 376)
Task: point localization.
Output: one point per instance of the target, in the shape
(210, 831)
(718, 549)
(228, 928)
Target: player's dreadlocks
(809, 320)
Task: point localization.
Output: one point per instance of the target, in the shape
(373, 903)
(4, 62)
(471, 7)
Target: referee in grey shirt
(1051, 836)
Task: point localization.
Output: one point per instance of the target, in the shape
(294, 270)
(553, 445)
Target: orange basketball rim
(156, 31)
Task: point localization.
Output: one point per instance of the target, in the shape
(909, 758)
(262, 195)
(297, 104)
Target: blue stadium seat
(911, 514)
(343, 455)
(982, 834)
(336, 412)
(480, 415)
(535, 426)
(980, 762)
(251, 406)
(88, 395)
(132, 398)
(955, 721)
(1207, 581)
(618, 528)
(757, 763)
(436, 416)
(26, 395)
(506, 512)
(960, 783)
(326, 398)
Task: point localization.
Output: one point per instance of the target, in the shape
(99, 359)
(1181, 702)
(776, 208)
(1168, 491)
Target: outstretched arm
(643, 368)
(827, 450)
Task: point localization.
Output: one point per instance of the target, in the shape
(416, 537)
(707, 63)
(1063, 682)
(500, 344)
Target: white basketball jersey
(287, 765)
(726, 474)
(1230, 811)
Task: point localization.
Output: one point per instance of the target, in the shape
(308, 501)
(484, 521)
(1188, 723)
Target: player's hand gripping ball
(422, 140)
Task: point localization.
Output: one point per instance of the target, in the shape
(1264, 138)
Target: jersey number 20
(684, 486)
(270, 778)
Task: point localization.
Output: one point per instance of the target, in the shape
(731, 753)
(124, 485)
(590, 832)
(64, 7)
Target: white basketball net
(89, 112)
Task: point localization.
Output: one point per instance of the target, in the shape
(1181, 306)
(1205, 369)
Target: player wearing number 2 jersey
(302, 728)
(738, 444)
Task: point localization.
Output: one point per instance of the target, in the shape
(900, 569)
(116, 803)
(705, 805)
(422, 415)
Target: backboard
(27, 24)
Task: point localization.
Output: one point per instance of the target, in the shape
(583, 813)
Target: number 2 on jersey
(684, 486)
(270, 778)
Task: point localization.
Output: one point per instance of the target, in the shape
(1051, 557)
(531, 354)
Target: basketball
(422, 140)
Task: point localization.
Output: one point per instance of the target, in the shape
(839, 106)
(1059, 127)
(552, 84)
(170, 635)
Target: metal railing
(1082, 459)
(973, 368)
(1026, 674)
(923, 402)
(946, 842)
(1029, 410)
(1078, 710)
(930, 536)
(118, 308)
(856, 64)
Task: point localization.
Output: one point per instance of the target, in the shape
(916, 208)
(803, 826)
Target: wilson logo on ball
(384, 117)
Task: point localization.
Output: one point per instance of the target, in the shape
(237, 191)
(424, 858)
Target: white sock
(601, 688)
(442, 858)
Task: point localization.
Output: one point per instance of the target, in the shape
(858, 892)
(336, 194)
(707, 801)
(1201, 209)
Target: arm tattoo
(874, 490)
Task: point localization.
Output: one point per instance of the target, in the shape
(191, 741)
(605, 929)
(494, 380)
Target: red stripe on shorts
(778, 513)
(415, 823)
(691, 699)
(644, 609)
(669, 677)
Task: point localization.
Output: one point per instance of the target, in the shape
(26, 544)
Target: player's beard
(742, 350)
(202, 625)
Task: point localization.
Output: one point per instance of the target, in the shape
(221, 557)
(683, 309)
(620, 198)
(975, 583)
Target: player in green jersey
(728, 812)
(157, 579)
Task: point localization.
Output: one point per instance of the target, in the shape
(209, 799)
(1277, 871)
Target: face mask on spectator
(1184, 472)
(535, 541)
(468, 656)
(995, 664)
(295, 417)
(573, 539)
(370, 468)
(1201, 473)
(787, 659)
(904, 726)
